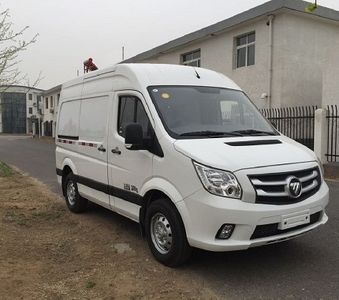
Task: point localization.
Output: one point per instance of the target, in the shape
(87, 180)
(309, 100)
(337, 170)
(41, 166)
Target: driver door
(128, 169)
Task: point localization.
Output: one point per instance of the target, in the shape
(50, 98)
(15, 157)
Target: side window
(91, 127)
(69, 118)
(131, 110)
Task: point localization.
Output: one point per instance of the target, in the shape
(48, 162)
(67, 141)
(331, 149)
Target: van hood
(233, 154)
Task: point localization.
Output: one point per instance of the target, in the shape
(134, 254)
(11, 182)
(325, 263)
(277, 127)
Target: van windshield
(203, 112)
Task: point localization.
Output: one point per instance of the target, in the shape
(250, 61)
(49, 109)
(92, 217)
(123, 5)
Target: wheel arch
(158, 188)
(67, 167)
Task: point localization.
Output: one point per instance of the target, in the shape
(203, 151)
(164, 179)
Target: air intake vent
(262, 231)
(254, 143)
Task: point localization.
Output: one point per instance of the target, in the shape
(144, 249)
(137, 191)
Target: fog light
(225, 231)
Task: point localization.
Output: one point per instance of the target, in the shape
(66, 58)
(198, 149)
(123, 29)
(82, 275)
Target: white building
(51, 99)
(279, 54)
(26, 110)
(20, 108)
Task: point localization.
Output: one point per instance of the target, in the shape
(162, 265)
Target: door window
(131, 110)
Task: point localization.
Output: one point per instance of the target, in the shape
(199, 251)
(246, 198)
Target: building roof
(4, 88)
(258, 11)
(53, 90)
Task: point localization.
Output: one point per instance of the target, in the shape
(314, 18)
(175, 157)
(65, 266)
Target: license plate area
(294, 221)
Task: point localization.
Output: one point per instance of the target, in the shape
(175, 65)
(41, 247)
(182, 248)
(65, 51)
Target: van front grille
(273, 188)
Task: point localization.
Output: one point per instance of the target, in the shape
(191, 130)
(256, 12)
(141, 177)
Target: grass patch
(90, 284)
(47, 215)
(16, 218)
(5, 171)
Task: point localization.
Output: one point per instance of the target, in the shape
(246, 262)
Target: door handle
(116, 151)
(101, 148)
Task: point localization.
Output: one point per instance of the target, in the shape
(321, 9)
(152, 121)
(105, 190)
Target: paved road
(304, 268)
(35, 157)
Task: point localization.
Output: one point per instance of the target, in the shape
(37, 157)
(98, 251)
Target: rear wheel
(74, 201)
(166, 234)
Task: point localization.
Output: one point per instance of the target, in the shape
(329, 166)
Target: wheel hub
(161, 233)
(71, 192)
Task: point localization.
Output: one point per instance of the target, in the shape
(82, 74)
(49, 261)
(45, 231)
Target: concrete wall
(330, 89)
(217, 54)
(305, 59)
(301, 45)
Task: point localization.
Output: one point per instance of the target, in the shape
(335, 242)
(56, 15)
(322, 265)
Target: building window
(245, 50)
(191, 58)
(58, 99)
(30, 110)
(46, 103)
(52, 104)
(30, 97)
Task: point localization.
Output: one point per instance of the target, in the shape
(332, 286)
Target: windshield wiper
(253, 132)
(210, 133)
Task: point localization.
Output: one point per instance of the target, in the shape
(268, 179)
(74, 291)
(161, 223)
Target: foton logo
(294, 187)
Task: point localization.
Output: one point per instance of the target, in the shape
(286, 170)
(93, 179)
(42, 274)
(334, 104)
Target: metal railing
(294, 122)
(332, 133)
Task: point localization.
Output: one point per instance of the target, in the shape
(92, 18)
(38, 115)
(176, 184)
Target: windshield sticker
(165, 96)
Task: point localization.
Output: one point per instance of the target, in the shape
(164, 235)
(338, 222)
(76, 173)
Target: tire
(165, 234)
(74, 201)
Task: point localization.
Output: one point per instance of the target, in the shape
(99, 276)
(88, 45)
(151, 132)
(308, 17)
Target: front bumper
(204, 213)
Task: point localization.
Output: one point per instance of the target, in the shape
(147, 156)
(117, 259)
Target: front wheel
(166, 234)
(74, 201)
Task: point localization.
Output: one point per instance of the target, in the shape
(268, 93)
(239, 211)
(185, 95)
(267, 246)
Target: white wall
(305, 59)
(51, 113)
(301, 44)
(330, 87)
(217, 54)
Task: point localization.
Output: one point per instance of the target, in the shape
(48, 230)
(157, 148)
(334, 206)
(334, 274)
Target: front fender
(164, 186)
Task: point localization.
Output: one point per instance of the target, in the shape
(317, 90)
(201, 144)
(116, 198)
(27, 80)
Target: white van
(184, 152)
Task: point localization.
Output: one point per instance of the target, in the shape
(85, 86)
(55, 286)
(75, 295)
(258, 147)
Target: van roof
(140, 76)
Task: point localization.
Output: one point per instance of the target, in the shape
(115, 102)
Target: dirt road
(48, 253)
(303, 268)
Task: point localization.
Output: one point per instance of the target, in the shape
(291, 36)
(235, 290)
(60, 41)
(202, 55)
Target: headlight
(218, 182)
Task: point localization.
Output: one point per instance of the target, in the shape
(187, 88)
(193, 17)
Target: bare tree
(311, 7)
(11, 45)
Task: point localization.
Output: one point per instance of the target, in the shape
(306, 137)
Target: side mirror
(134, 139)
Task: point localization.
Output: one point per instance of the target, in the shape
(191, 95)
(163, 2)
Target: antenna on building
(123, 52)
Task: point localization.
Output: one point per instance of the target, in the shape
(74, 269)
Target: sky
(70, 31)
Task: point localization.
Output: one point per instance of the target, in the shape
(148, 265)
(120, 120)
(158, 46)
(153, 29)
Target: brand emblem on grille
(293, 187)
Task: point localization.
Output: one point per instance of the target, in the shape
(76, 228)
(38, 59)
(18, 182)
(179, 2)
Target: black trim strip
(101, 187)
(126, 195)
(254, 143)
(108, 189)
(68, 137)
